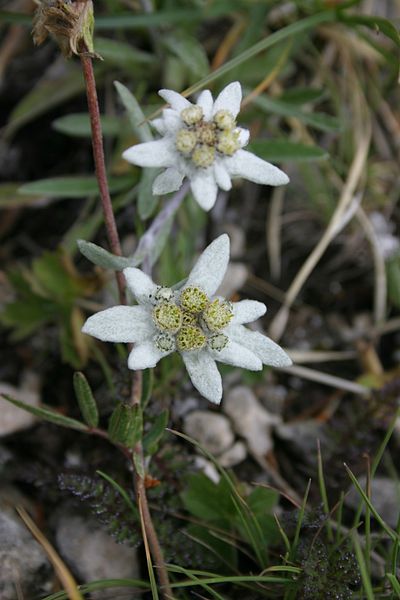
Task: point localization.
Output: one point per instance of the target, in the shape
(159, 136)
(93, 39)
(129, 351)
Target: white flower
(191, 320)
(202, 142)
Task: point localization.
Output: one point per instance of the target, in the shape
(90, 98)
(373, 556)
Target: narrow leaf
(282, 150)
(126, 425)
(48, 414)
(152, 438)
(86, 401)
(102, 258)
(136, 116)
(78, 125)
(73, 187)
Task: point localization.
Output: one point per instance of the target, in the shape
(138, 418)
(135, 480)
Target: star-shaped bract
(203, 328)
(202, 142)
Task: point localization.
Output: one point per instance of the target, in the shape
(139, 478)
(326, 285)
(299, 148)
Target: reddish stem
(100, 166)
(113, 238)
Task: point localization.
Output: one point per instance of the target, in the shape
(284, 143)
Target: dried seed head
(192, 115)
(193, 299)
(190, 337)
(70, 23)
(168, 317)
(217, 315)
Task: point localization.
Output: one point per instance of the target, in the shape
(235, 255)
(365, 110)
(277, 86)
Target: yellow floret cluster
(189, 320)
(201, 140)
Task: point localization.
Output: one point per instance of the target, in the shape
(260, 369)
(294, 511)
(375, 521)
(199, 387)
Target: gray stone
(93, 554)
(385, 497)
(251, 420)
(12, 418)
(211, 430)
(24, 569)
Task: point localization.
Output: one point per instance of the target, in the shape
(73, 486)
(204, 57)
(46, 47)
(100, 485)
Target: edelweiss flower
(191, 320)
(202, 142)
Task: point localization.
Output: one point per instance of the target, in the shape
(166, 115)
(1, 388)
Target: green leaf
(86, 401)
(285, 33)
(319, 121)
(393, 280)
(161, 18)
(73, 187)
(147, 202)
(50, 278)
(378, 24)
(153, 437)
(48, 93)
(135, 114)
(47, 414)
(282, 150)
(190, 52)
(147, 386)
(78, 125)
(10, 198)
(126, 425)
(102, 258)
(394, 583)
(300, 95)
(122, 54)
(209, 501)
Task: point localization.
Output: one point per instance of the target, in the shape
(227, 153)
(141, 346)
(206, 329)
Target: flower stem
(101, 174)
(149, 532)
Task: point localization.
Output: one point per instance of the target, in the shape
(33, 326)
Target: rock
(250, 419)
(233, 456)
(13, 419)
(385, 494)
(301, 437)
(235, 278)
(211, 430)
(24, 569)
(93, 554)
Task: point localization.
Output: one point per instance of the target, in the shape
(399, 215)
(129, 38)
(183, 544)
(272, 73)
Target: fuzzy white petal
(237, 355)
(140, 284)
(229, 99)
(168, 181)
(222, 176)
(248, 165)
(244, 136)
(247, 311)
(145, 356)
(176, 101)
(204, 374)
(172, 120)
(151, 154)
(159, 125)
(204, 188)
(268, 351)
(205, 101)
(120, 324)
(210, 268)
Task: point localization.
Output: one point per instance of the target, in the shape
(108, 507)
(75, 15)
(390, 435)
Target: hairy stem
(100, 165)
(149, 532)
